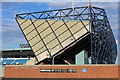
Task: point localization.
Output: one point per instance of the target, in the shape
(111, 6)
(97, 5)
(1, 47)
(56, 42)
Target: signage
(58, 70)
(84, 70)
(24, 45)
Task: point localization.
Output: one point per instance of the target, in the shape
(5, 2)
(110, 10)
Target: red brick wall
(109, 71)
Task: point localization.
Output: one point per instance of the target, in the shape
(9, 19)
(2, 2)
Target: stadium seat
(4, 58)
(20, 61)
(7, 61)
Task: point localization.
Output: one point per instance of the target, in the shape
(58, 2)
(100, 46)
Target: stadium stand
(20, 61)
(7, 62)
(13, 61)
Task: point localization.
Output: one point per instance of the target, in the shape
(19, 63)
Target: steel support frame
(103, 45)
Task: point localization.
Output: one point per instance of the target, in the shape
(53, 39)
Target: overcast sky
(12, 35)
